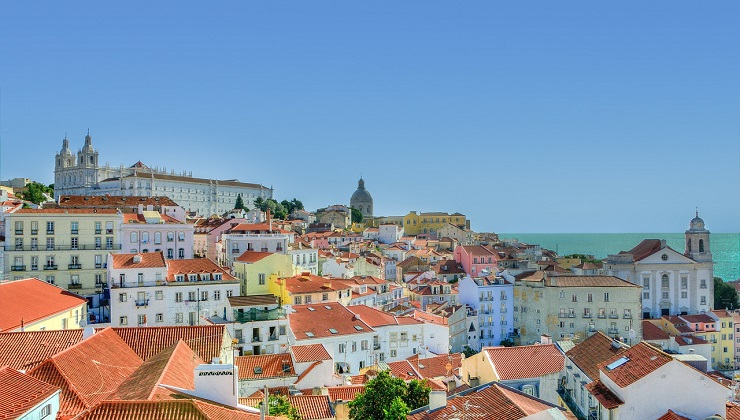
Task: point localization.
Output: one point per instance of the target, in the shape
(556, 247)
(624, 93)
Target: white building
(673, 283)
(150, 231)
(261, 237)
(83, 175)
(389, 233)
(492, 298)
(304, 258)
(147, 289)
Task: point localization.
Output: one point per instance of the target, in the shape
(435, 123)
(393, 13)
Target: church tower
(362, 200)
(697, 241)
(87, 161)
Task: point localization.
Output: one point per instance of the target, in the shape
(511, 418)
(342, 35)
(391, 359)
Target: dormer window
(217, 276)
(205, 277)
(179, 277)
(193, 277)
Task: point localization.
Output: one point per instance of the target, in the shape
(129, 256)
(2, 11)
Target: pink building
(208, 232)
(476, 258)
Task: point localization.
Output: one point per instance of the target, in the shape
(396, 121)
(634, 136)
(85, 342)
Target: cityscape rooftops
(30, 300)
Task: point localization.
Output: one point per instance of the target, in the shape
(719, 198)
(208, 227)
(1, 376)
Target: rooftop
(20, 392)
(525, 361)
(30, 300)
(325, 320)
(589, 353)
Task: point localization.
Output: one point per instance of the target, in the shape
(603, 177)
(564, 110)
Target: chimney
(87, 332)
(269, 220)
(218, 383)
(137, 259)
(545, 339)
(437, 399)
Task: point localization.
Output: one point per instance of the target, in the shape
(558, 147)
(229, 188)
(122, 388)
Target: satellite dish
(632, 334)
(83, 323)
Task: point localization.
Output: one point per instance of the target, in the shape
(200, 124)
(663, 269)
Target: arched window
(157, 238)
(664, 281)
(688, 245)
(144, 237)
(701, 245)
(134, 237)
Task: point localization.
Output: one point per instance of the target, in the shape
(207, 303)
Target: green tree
(507, 342)
(417, 394)
(356, 216)
(239, 205)
(725, 295)
(259, 203)
(279, 405)
(468, 351)
(379, 394)
(34, 192)
(398, 410)
(287, 205)
(297, 204)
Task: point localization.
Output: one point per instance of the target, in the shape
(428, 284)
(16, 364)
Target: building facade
(492, 298)
(82, 174)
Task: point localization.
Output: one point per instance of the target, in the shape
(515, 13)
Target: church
(362, 200)
(673, 283)
(82, 174)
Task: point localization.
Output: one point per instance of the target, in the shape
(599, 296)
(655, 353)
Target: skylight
(258, 370)
(333, 331)
(309, 334)
(311, 309)
(327, 307)
(358, 328)
(617, 363)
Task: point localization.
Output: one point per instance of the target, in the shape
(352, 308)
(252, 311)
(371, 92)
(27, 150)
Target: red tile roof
(603, 394)
(494, 401)
(672, 415)
(590, 281)
(376, 318)
(185, 409)
(20, 392)
(148, 260)
(26, 350)
(195, 265)
(645, 249)
(66, 211)
(589, 353)
(733, 411)
(89, 371)
(253, 256)
(525, 361)
(268, 366)
(689, 340)
(173, 366)
(652, 332)
(345, 393)
(318, 319)
(311, 283)
(698, 318)
(310, 353)
(205, 340)
(312, 407)
(113, 201)
(30, 300)
(643, 359)
(436, 366)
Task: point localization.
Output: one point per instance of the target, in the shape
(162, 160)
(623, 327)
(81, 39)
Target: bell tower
(697, 241)
(87, 161)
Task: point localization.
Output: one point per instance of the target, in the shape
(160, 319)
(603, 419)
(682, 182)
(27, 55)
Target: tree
(297, 204)
(379, 393)
(34, 192)
(468, 352)
(377, 402)
(239, 205)
(259, 203)
(279, 405)
(356, 216)
(725, 295)
(398, 410)
(507, 342)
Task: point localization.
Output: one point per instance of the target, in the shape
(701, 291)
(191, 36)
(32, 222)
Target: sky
(527, 116)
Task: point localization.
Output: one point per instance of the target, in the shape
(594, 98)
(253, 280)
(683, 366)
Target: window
(684, 295)
(49, 228)
(74, 279)
(324, 296)
(363, 345)
(50, 262)
(204, 295)
(134, 237)
(158, 295)
(159, 318)
(98, 242)
(108, 228)
(34, 228)
(98, 279)
(157, 238)
(646, 295)
(98, 229)
(144, 237)
(703, 284)
(141, 319)
(181, 253)
(308, 299)
(123, 320)
(192, 296)
(98, 261)
(703, 300)
(216, 295)
(665, 295)
(181, 236)
(108, 242)
(342, 348)
(261, 278)
(684, 282)
(74, 228)
(229, 293)
(178, 297)
(170, 236)
(404, 336)
(178, 318)
(46, 411)
(590, 297)
(664, 282)
(170, 253)
(296, 300)
(606, 297)
(19, 244)
(49, 244)
(34, 244)
(574, 298)
(393, 353)
(122, 297)
(628, 313)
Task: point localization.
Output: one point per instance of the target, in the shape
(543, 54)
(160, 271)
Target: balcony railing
(272, 337)
(613, 316)
(17, 268)
(613, 330)
(50, 267)
(19, 231)
(565, 394)
(256, 339)
(34, 231)
(376, 346)
(75, 266)
(142, 302)
(34, 267)
(254, 314)
(74, 286)
(86, 247)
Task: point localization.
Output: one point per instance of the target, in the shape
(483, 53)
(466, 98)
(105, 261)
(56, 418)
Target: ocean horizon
(725, 247)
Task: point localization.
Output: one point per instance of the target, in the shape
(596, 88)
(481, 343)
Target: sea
(725, 247)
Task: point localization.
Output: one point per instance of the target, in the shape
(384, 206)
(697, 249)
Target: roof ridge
(160, 378)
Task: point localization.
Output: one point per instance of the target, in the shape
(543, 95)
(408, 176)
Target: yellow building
(34, 305)
(254, 269)
(567, 263)
(309, 288)
(419, 223)
(724, 349)
(65, 247)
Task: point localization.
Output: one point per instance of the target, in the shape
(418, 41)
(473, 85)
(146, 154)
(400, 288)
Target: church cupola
(87, 156)
(697, 241)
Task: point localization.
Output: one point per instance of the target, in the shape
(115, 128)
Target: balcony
(613, 316)
(566, 395)
(17, 268)
(19, 231)
(254, 314)
(256, 339)
(627, 316)
(587, 315)
(74, 286)
(98, 231)
(98, 265)
(602, 316)
(75, 266)
(50, 267)
(86, 247)
(613, 331)
(272, 337)
(376, 346)
(34, 231)
(142, 302)
(49, 232)
(34, 267)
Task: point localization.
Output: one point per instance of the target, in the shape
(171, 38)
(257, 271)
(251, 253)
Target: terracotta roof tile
(31, 300)
(376, 318)
(689, 340)
(89, 371)
(493, 401)
(590, 281)
(205, 340)
(311, 283)
(67, 211)
(253, 300)
(603, 394)
(436, 366)
(253, 256)
(526, 361)
(312, 407)
(652, 332)
(310, 353)
(733, 411)
(184, 409)
(26, 350)
(672, 415)
(20, 392)
(643, 359)
(589, 353)
(173, 366)
(196, 266)
(148, 260)
(698, 318)
(318, 319)
(265, 366)
(345, 393)
(113, 201)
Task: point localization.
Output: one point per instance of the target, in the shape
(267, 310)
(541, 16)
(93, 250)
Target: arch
(701, 245)
(664, 281)
(688, 245)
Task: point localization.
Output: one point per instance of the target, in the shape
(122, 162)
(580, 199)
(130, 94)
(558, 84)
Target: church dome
(362, 200)
(696, 223)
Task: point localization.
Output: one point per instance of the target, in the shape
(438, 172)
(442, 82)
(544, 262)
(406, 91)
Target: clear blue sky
(577, 116)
